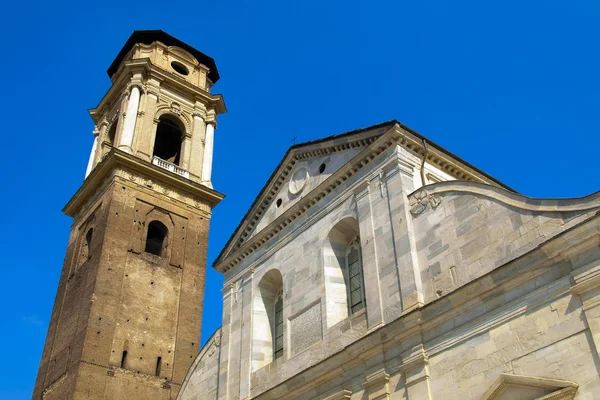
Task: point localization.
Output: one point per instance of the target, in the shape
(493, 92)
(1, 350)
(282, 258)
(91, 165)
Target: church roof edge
(386, 124)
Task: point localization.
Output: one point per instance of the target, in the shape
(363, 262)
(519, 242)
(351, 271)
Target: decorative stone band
(425, 196)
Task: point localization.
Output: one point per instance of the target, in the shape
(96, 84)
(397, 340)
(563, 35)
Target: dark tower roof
(148, 37)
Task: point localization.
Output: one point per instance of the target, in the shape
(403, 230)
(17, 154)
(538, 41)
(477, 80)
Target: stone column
(90, 164)
(147, 129)
(369, 256)
(186, 150)
(208, 154)
(197, 144)
(130, 119)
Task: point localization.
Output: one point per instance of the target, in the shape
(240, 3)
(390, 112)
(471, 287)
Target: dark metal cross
(294, 139)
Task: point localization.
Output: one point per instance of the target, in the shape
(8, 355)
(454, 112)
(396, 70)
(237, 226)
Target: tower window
(124, 359)
(156, 240)
(158, 366)
(167, 145)
(322, 168)
(84, 254)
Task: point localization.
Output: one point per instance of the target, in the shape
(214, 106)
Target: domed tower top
(170, 54)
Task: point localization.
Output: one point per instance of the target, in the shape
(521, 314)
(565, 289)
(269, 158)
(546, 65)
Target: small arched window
(278, 327)
(84, 253)
(356, 296)
(156, 239)
(169, 136)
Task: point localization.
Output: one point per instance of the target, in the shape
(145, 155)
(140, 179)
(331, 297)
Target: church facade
(373, 264)
(377, 265)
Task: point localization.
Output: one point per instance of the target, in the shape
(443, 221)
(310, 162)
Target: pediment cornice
(242, 244)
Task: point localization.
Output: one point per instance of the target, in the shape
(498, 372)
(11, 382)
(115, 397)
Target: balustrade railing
(170, 167)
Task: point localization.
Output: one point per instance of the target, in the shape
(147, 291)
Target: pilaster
(369, 256)
(377, 386)
(147, 126)
(407, 260)
(197, 142)
(416, 372)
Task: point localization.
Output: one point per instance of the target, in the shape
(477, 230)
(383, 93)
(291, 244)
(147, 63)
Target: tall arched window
(356, 297)
(156, 238)
(344, 284)
(278, 327)
(169, 136)
(84, 253)
(268, 326)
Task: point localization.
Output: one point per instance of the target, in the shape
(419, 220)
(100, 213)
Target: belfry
(128, 310)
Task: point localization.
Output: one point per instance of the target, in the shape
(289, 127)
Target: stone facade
(128, 310)
(470, 290)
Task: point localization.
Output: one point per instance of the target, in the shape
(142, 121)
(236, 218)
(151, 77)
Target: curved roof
(150, 36)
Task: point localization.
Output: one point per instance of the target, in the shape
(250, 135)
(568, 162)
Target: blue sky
(512, 87)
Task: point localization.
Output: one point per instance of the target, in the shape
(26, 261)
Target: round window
(298, 180)
(179, 68)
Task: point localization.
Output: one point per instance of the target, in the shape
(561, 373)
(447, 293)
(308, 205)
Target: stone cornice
(117, 158)
(145, 66)
(512, 199)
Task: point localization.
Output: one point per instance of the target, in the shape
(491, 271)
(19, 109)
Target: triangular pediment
(303, 168)
(319, 166)
(523, 387)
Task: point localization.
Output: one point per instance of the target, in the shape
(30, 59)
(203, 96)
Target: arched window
(344, 283)
(84, 253)
(169, 136)
(156, 239)
(356, 297)
(278, 327)
(268, 326)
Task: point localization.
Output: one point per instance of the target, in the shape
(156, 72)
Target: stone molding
(152, 72)
(561, 389)
(341, 395)
(120, 165)
(588, 279)
(504, 196)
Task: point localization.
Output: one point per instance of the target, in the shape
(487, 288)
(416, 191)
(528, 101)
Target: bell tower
(128, 309)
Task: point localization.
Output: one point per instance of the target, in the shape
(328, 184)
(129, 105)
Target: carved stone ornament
(421, 199)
